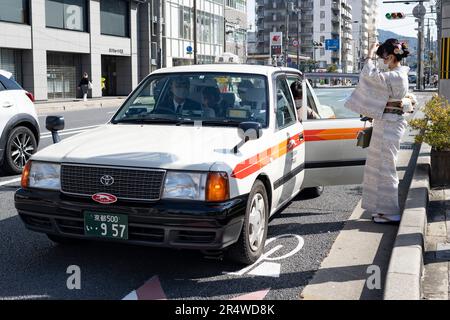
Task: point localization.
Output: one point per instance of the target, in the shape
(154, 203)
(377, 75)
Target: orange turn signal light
(217, 187)
(24, 182)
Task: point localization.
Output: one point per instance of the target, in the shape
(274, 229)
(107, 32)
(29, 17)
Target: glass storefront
(115, 17)
(14, 11)
(63, 75)
(11, 61)
(66, 14)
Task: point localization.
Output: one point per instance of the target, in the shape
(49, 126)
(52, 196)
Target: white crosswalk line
(4, 183)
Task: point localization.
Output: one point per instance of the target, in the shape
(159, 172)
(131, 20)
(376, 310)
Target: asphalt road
(32, 267)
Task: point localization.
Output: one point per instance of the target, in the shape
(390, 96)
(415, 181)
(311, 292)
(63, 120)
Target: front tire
(253, 236)
(20, 146)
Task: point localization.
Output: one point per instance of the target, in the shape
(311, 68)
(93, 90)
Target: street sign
(295, 43)
(332, 44)
(276, 38)
(419, 11)
(189, 49)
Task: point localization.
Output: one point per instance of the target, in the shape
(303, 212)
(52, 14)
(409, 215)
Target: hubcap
(21, 149)
(257, 222)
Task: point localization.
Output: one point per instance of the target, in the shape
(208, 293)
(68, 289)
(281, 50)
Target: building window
(322, 14)
(186, 23)
(322, 27)
(66, 14)
(14, 11)
(115, 17)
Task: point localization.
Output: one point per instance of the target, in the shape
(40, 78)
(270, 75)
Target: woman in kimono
(389, 85)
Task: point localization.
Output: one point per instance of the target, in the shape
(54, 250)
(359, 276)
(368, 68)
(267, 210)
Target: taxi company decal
(104, 198)
(256, 163)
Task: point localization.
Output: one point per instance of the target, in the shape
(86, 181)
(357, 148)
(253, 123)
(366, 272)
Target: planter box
(440, 168)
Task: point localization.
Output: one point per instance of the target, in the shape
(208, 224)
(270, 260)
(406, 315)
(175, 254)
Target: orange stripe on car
(331, 134)
(256, 163)
(259, 161)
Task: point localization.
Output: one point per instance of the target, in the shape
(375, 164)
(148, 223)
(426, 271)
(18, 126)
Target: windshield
(214, 98)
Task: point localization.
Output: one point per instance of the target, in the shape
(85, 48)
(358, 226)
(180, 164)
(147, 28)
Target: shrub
(435, 126)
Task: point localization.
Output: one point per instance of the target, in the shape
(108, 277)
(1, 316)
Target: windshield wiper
(146, 120)
(227, 123)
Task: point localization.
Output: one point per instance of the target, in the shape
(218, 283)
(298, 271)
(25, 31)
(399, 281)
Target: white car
(167, 171)
(19, 127)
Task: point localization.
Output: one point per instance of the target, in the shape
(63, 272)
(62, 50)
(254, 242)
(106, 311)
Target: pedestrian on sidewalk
(380, 93)
(84, 85)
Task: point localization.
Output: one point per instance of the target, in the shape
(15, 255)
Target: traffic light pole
(420, 50)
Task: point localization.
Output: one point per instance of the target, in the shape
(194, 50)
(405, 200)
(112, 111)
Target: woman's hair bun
(392, 46)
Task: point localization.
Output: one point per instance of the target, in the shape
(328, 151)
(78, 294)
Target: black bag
(364, 137)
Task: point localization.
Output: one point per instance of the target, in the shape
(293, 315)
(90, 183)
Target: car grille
(129, 184)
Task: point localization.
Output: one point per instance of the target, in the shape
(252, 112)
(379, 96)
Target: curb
(42, 108)
(403, 279)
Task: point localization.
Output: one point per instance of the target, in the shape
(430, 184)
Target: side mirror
(250, 131)
(55, 124)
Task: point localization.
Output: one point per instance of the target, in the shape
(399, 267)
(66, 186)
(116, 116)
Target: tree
(332, 68)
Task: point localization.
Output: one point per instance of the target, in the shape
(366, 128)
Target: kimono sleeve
(372, 93)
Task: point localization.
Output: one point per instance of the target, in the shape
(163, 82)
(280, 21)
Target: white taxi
(197, 157)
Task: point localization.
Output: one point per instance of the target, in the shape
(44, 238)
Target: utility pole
(195, 33)
(298, 10)
(419, 12)
(160, 52)
(286, 46)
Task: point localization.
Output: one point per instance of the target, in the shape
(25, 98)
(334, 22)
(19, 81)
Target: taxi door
(332, 157)
(289, 149)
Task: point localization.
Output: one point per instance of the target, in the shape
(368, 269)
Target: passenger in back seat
(210, 102)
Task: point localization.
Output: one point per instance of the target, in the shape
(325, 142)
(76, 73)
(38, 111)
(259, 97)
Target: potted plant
(435, 131)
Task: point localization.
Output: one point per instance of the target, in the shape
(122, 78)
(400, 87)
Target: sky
(403, 27)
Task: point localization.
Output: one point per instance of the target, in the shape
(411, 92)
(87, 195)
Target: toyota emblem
(107, 180)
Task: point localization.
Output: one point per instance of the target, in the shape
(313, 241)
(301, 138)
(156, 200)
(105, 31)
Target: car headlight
(210, 187)
(41, 175)
(185, 185)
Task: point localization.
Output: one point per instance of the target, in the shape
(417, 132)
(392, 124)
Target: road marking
(69, 132)
(9, 181)
(257, 295)
(43, 134)
(265, 266)
(151, 290)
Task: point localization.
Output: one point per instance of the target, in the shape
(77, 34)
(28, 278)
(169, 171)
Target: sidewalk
(362, 244)
(435, 282)
(44, 107)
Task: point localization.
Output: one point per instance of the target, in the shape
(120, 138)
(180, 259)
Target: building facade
(309, 21)
(333, 21)
(65, 38)
(49, 44)
(236, 28)
(365, 32)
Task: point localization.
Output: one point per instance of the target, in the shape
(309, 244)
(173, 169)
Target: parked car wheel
(64, 240)
(253, 236)
(20, 146)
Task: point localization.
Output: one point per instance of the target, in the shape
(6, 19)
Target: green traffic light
(388, 16)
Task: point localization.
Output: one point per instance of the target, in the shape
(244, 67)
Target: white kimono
(380, 187)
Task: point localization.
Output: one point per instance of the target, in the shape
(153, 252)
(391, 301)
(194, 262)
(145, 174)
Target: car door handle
(7, 104)
(301, 137)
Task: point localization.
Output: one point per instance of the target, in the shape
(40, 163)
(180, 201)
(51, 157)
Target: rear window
(9, 83)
